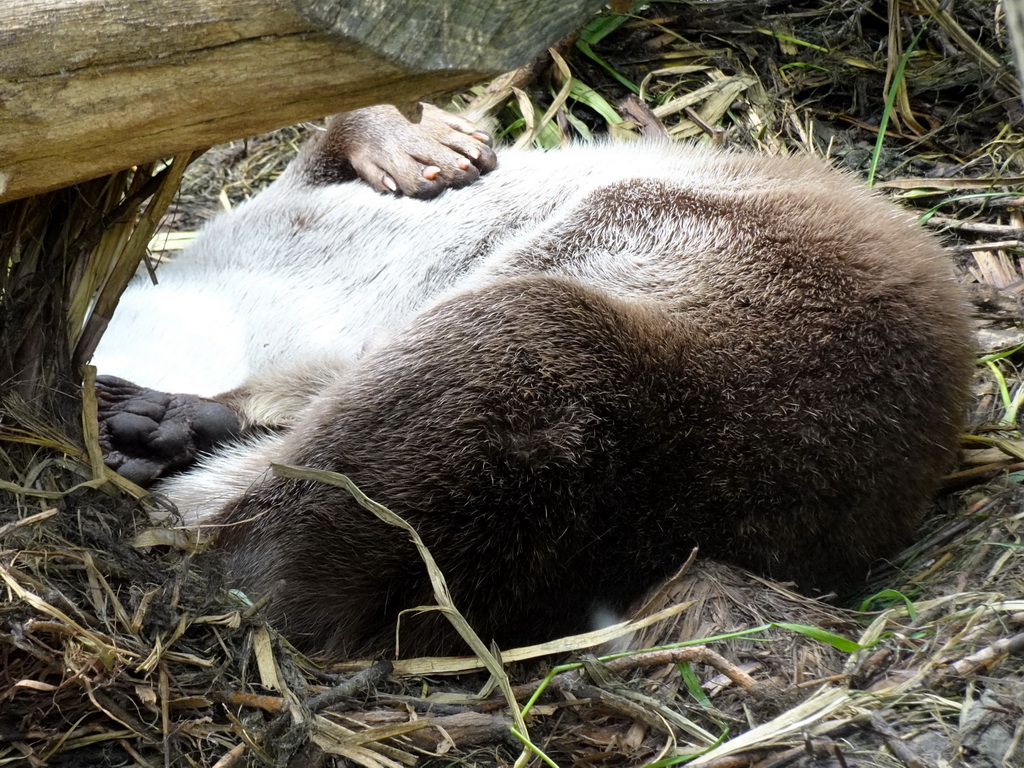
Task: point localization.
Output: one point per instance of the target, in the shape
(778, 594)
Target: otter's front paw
(146, 434)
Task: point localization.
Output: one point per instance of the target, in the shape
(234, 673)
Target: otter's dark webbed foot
(381, 147)
(147, 434)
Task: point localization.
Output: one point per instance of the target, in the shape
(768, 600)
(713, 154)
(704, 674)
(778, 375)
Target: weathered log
(88, 87)
(1014, 11)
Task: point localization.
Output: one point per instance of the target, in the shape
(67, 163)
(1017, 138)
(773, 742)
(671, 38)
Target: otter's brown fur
(564, 377)
(787, 404)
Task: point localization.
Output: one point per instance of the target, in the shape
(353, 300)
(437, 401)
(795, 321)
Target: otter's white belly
(303, 273)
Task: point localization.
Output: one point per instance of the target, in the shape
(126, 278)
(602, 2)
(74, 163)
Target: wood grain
(88, 87)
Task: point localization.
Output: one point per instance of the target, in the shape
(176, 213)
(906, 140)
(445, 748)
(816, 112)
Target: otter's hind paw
(380, 146)
(146, 434)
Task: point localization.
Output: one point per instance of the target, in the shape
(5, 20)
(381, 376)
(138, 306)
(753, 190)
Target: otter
(564, 376)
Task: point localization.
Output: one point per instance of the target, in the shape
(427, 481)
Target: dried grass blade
(336, 739)
(90, 423)
(107, 652)
(128, 258)
(895, 67)
(263, 650)
(38, 517)
(455, 664)
(788, 725)
(734, 84)
(938, 12)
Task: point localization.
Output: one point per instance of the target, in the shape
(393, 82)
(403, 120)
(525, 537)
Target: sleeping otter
(564, 377)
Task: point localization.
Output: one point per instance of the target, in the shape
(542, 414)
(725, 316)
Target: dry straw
(119, 646)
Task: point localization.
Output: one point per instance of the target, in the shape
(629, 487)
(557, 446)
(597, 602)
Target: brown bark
(88, 87)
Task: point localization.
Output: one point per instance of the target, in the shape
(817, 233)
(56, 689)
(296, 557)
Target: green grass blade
(585, 48)
(890, 100)
(816, 633)
(890, 596)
